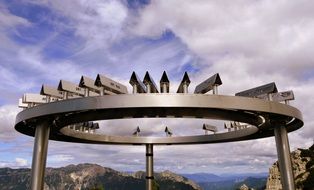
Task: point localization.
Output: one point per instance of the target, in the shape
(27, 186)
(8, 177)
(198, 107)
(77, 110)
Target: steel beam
(252, 111)
(40, 156)
(149, 167)
(284, 159)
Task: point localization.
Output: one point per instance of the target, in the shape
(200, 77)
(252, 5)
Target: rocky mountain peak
(168, 175)
(171, 175)
(303, 170)
(91, 176)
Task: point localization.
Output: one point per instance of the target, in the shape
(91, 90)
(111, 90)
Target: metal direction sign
(260, 90)
(90, 87)
(208, 84)
(71, 87)
(283, 96)
(137, 131)
(150, 84)
(208, 127)
(137, 83)
(34, 98)
(21, 104)
(164, 83)
(110, 85)
(29, 100)
(278, 97)
(183, 87)
(51, 91)
(168, 132)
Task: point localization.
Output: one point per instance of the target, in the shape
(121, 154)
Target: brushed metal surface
(164, 83)
(283, 152)
(256, 112)
(40, 156)
(69, 114)
(209, 84)
(256, 91)
(149, 166)
(150, 84)
(110, 85)
(184, 84)
(138, 85)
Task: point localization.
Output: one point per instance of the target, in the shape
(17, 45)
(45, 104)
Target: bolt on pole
(40, 156)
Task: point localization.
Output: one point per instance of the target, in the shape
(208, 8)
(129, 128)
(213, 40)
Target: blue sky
(248, 42)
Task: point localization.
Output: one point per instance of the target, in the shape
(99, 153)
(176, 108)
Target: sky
(249, 43)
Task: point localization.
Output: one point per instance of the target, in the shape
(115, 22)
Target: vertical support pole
(134, 89)
(148, 88)
(48, 99)
(65, 95)
(40, 156)
(164, 88)
(284, 159)
(101, 93)
(149, 167)
(215, 89)
(185, 88)
(86, 93)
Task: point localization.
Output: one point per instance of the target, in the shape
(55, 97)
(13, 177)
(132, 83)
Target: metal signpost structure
(68, 113)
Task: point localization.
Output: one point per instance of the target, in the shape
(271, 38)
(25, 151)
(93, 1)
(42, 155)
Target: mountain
(303, 169)
(210, 181)
(95, 177)
(252, 182)
(14, 179)
(167, 178)
(203, 177)
(209, 177)
(92, 177)
(240, 176)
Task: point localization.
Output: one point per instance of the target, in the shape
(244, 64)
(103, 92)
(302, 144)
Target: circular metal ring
(264, 115)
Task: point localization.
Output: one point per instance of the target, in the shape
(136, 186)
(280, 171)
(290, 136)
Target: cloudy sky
(248, 42)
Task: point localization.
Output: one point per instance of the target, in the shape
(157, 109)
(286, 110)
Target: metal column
(40, 156)
(284, 159)
(185, 88)
(149, 167)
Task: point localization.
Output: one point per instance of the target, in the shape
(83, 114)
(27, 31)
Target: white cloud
(59, 158)
(270, 37)
(99, 23)
(7, 118)
(95, 29)
(18, 163)
(21, 162)
(9, 21)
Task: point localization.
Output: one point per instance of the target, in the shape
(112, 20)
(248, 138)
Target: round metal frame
(262, 116)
